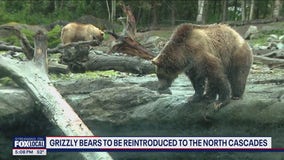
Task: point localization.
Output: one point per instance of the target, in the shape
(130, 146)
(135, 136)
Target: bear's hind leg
(238, 78)
(239, 71)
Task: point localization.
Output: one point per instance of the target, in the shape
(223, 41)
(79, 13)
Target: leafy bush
(29, 34)
(54, 36)
(13, 40)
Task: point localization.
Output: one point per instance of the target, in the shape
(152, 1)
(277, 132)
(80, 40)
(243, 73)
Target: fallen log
(271, 62)
(4, 47)
(57, 68)
(274, 54)
(32, 76)
(110, 62)
(59, 48)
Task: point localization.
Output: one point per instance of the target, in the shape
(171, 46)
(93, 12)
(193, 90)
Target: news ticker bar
(40, 145)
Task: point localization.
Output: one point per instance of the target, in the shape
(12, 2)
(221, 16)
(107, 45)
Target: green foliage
(29, 34)
(54, 36)
(6, 81)
(264, 35)
(261, 40)
(13, 40)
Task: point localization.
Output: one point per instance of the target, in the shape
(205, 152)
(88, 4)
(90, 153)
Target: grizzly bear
(215, 58)
(74, 32)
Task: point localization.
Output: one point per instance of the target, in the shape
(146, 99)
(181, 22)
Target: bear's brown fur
(215, 54)
(74, 32)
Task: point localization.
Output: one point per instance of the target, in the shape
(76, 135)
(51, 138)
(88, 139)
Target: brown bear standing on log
(74, 32)
(215, 54)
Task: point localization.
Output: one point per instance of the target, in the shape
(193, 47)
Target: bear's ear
(155, 61)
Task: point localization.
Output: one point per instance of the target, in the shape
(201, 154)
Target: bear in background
(74, 32)
(215, 58)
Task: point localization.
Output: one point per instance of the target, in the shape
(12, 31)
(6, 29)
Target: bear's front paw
(195, 98)
(219, 104)
(165, 91)
(236, 98)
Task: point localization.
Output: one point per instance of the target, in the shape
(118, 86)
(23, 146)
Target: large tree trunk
(224, 13)
(243, 6)
(173, 13)
(108, 11)
(201, 16)
(251, 12)
(113, 10)
(154, 8)
(277, 8)
(32, 76)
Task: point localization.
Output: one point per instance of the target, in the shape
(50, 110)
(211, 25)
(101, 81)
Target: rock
(113, 105)
(14, 102)
(251, 32)
(84, 86)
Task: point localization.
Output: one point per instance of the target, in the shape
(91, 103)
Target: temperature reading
(40, 151)
(29, 152)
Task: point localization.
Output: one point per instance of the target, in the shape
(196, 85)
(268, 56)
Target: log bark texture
(110, 62)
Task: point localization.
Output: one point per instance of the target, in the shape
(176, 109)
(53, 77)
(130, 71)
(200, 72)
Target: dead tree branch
(129, 46)
(130, 25)
(26, 46)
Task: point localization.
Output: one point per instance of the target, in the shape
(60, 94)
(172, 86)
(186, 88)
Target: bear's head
(166, 72)
(96, 33)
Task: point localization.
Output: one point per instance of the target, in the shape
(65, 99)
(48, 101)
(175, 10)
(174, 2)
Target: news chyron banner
(40, 145)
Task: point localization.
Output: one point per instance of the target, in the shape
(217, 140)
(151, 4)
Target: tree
(225, 8)
(113, 10)
(251, 12)
(201, 15)
(154, 8)
(243, 6)
(173, 12)
(277, 8)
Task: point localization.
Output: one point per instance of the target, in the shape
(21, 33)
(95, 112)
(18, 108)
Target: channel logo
(29, 142)
(29, 146)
